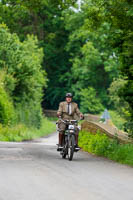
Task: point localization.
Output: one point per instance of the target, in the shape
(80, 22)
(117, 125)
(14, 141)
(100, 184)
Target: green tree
(93, 60)
(88, 48)
(7, 113)
(43, 19)
(119, 15)
(90, 102)
(25, 78)
(120, 105)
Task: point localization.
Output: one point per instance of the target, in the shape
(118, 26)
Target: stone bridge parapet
(110, 130)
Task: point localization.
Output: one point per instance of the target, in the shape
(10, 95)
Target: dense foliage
(101, 145)
(43, 19)
(7, 114)
(22, 79)
(21, 132)
(87, 51)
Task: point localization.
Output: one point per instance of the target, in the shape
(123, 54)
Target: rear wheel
(71, 143)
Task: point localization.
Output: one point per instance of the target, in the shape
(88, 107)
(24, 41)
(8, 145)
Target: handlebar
(69, 121)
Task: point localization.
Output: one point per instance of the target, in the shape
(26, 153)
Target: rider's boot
(60, 142)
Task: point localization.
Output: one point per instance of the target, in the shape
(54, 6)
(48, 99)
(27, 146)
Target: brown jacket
(63, 112)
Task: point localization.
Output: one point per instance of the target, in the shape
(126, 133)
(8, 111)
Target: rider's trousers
(62, 127)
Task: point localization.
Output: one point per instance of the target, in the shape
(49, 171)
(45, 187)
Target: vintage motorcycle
(69, 145)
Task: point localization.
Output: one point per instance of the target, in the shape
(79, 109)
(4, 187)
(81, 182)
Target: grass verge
(52, 118)
(101, 145)
(21, 132)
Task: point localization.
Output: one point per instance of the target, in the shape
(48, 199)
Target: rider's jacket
(70, 111)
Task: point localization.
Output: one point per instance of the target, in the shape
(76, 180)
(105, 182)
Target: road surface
(35, 171)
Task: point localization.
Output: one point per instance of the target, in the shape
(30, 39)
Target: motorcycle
(69, 144)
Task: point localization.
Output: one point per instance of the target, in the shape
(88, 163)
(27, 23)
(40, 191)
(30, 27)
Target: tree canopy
(23, 77)
(87, 51)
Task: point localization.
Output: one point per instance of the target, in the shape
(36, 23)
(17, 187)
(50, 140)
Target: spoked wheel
(71, 143)
(63, 155)
(64, 151)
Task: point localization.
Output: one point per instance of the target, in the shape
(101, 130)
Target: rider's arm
(60, 110)
(78, 112)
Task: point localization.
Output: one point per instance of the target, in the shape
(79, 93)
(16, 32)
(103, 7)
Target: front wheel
(71, 143)
(63, 155)
(64, 151)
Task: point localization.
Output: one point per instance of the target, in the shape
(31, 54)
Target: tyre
(64, 155)
(71, 143)
(64, 152)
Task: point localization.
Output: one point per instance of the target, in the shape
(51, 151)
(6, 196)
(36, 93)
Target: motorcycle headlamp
(71, 127)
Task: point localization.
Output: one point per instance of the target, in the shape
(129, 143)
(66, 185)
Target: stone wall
(50, 113)
(111, 131)
(90, 117)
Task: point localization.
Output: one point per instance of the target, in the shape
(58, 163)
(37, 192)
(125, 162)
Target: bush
(128, 127)
(117, 119)
(101, 145)
(25, 78)
(97, 144)
(6, 107)
(30, 115)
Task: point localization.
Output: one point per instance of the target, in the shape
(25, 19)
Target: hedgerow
(101, 145)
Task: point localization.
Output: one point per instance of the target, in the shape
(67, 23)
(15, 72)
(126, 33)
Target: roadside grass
(21, 132)
(52, 118)
(100, 145)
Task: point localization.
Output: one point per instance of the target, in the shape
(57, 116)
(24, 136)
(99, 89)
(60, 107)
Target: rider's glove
(58, 115)
(81, 116)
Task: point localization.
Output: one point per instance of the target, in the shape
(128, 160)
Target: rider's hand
(58, 115)
(81, 116)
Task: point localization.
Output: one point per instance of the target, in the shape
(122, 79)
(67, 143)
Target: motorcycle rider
(67, 111)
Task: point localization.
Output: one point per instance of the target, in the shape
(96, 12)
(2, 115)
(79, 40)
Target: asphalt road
(35, 171)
